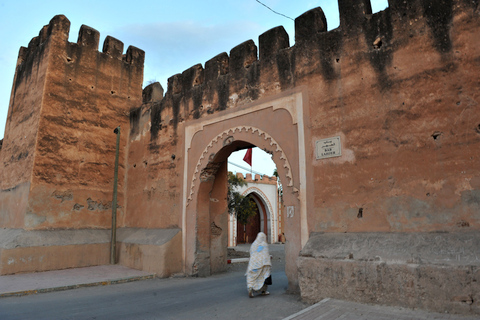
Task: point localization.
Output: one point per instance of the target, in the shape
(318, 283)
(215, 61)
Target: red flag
(248, 157)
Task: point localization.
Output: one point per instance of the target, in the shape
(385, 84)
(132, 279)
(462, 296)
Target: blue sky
(175, 35)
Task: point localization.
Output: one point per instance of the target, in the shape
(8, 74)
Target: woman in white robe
(259, 266)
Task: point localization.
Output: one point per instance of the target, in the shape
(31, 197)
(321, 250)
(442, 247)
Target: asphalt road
(222, 296)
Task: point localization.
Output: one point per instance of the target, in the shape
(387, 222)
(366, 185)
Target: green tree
(242, 207)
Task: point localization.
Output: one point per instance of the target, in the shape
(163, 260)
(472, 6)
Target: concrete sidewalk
(58, 280)
(331, 309)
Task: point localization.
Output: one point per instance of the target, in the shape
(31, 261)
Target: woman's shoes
(250, 293)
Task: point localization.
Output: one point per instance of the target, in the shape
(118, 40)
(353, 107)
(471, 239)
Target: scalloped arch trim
(204, 174)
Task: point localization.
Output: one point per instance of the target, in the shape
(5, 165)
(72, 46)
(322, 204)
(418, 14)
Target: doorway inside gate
(246, 233)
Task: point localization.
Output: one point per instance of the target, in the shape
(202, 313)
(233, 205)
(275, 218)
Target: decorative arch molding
(210, 168)
(262, 195)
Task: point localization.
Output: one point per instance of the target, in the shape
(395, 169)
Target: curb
(76, 286)
(229, 261)
(302, 313)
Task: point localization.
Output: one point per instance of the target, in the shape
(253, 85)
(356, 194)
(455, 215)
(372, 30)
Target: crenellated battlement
(256, 178)
(247, 74)
(58, 27)
(353, 15)
(88, 39)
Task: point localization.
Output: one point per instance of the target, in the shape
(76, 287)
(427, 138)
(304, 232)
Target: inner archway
(252, 175)
(212, 207)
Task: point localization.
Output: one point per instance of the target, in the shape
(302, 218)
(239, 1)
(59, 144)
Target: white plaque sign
(328, 148)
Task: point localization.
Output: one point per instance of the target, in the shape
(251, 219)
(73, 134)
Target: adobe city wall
(397, 91)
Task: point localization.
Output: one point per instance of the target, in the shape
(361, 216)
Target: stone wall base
(37, 259)
(44, 250)
(415, 272)
(152, 250)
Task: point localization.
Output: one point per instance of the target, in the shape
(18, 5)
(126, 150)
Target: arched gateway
(275, 126)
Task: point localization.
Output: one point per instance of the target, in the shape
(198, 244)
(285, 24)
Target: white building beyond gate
(266, 190)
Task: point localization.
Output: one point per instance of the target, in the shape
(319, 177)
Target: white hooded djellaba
(259, 266)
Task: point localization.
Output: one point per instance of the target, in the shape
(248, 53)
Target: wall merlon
(43, 34)
(33, 44)
(152, 93)
(33, 47)
(405, 9)
(308, 24)
(88, 37)
(113, 47)
(352, 13)
(241, 57)
(216, 67)
(135, 55)
(271, 42)
(192, 77)
(174, 84)
(22, 55)
(59, 26)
